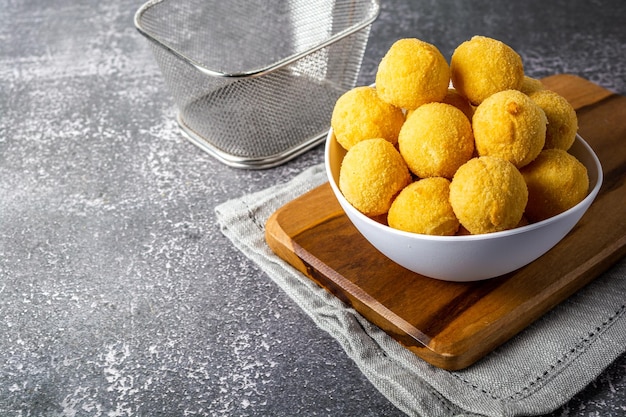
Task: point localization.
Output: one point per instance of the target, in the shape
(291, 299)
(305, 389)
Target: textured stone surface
(119, 296)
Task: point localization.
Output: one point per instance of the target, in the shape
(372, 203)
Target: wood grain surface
(452, 325)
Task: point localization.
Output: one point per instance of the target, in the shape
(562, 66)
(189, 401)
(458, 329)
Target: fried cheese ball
(556, 181)
(455, 98)
(371, 175)
(424, 207)
(488, 194)
(464, 232)
(411, 73)
(531, 85)
(562, 119)
(482, 66)
(360, 114)
(511, 126)
(436, 140)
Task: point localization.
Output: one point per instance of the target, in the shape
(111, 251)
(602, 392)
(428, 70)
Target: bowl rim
(591, 195)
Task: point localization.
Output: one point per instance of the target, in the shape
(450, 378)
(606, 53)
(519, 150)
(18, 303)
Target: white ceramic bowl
(473, 257)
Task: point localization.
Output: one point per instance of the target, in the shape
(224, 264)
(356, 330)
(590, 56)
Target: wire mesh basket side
(260, 116)
(253, 118)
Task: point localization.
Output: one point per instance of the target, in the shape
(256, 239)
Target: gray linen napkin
(533, 373)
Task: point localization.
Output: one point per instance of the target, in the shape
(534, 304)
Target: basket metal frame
(248, 163)
(261, 71)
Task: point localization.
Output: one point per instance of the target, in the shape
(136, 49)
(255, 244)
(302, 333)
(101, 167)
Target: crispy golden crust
(562, 120)
(372, 174)
(556, 181)
(360, 114)
(531, 85)
(511, 126)
(488, 194)
(436, 140)
(413, 72)
(455, 98)
(483, 66)
(424, 207)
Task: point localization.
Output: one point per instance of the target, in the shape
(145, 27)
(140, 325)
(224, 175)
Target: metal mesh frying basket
(255, 81)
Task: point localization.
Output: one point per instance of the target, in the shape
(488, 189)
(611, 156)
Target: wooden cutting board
(452, 325)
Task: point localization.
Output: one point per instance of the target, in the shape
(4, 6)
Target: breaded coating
(511, 126)
(556, 182)
(360, 114)
(531, 85)
(562, 119)
(411, 73)
(424, 207)
(436, 140)
(455, 98)
(488, 194)
(371, 175)
(482, 66)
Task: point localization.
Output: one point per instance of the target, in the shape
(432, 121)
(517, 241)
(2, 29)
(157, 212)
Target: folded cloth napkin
(533, 373)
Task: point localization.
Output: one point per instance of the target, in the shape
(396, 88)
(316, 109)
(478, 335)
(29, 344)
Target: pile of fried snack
(487, 155)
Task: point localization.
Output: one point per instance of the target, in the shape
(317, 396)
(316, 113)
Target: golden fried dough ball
(411, 73)
(360, 114)
(488, 194)
(562, 120)
(483, 66)
(371, 175)
(531, 85)
(455, 98)
(464, 232)
(436, 140)
(556, 182)
(424, 207)
(511, 126)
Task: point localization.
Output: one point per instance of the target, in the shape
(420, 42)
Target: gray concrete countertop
(119, 296)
